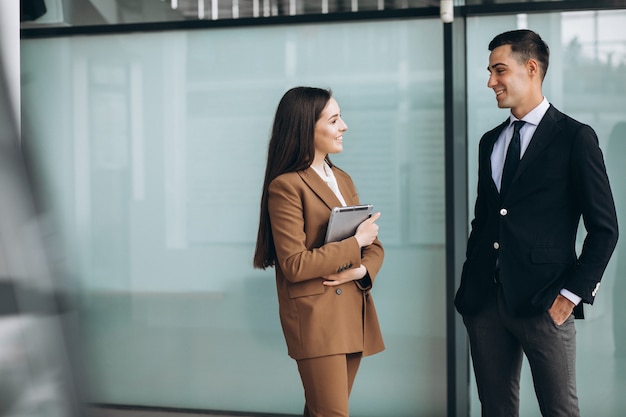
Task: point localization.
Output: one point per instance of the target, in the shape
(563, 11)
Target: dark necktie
(512, 157)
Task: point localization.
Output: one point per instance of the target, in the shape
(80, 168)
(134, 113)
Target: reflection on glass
(616, 165)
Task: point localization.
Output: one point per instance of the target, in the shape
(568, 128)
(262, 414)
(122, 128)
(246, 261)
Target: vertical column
(456, 208)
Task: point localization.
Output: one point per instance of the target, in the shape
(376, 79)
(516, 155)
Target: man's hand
(561, 309)
(348, 275)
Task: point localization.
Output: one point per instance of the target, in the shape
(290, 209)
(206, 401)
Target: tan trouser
(327, 382)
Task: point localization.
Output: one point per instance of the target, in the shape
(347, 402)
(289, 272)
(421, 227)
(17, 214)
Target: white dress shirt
(331, 181)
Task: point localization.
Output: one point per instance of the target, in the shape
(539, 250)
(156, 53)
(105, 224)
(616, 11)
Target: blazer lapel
(319, 187)
(344, 189)
(546, 130)
(489, 144)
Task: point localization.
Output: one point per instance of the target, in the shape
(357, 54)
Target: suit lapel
(546, 130)
(491, 140)
(319, 187)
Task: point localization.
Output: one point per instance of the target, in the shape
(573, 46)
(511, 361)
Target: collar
(535, 115)
(320, 187)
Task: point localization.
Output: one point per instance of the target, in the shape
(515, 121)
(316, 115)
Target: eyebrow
(497, 64)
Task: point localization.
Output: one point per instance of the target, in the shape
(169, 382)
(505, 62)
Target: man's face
(509, 79)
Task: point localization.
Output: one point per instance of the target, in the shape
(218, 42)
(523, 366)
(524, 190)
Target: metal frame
(455, 105)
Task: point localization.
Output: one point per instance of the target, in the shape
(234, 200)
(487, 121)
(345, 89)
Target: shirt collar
(535, 115)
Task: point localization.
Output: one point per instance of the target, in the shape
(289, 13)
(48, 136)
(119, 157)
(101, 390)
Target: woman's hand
(348, 275)
(367, 231)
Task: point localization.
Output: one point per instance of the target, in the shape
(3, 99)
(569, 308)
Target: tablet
(344, 221)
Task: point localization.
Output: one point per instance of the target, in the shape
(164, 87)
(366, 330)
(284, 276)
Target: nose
(344, 126)
(491, 82)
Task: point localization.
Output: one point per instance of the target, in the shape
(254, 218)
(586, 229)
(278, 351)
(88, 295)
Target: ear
(533, 67)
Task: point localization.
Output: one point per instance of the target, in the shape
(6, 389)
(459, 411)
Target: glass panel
(587, 80)
(152, 151)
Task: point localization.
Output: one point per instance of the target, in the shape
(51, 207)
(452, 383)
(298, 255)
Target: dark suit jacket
(531, 232)
(319, 320)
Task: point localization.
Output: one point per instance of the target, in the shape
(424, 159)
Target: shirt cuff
(571, 296)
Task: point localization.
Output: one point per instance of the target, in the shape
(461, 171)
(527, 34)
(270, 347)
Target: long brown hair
(291, 149)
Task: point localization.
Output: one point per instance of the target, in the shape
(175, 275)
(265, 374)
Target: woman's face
(329, 130)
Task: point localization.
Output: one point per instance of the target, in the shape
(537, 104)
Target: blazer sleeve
(595, 199)
(480, 210)
(372, 259)
(372, 255)
(298, 234)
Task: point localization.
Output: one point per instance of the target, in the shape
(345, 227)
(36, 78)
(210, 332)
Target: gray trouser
(497, 343)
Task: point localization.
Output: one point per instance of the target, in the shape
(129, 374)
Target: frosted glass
(587, 80)
(151, 148)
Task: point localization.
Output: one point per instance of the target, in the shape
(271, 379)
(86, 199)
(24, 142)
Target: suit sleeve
(477, 223)
(299, 256)
(594, 196)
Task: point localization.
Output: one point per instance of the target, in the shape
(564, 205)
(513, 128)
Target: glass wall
(151, 152)
(587, 80)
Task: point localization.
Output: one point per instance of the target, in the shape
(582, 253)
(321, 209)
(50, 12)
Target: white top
(331, 181)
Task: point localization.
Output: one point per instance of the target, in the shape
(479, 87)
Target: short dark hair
(525, 45)
(291, 149)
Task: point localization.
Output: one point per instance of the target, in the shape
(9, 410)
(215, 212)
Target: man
(522, 279)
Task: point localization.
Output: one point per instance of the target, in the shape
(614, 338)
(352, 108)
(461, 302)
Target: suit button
(338, 291)
(496, 245)
(595, 290)
(503, 212)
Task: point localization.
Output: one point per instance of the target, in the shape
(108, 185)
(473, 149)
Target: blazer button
(595, 290)
(338, 291)
(503, 212)
(496, 245)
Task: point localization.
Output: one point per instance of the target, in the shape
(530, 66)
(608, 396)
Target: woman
(326, 311)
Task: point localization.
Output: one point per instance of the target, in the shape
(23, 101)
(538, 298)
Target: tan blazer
(319, 320)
